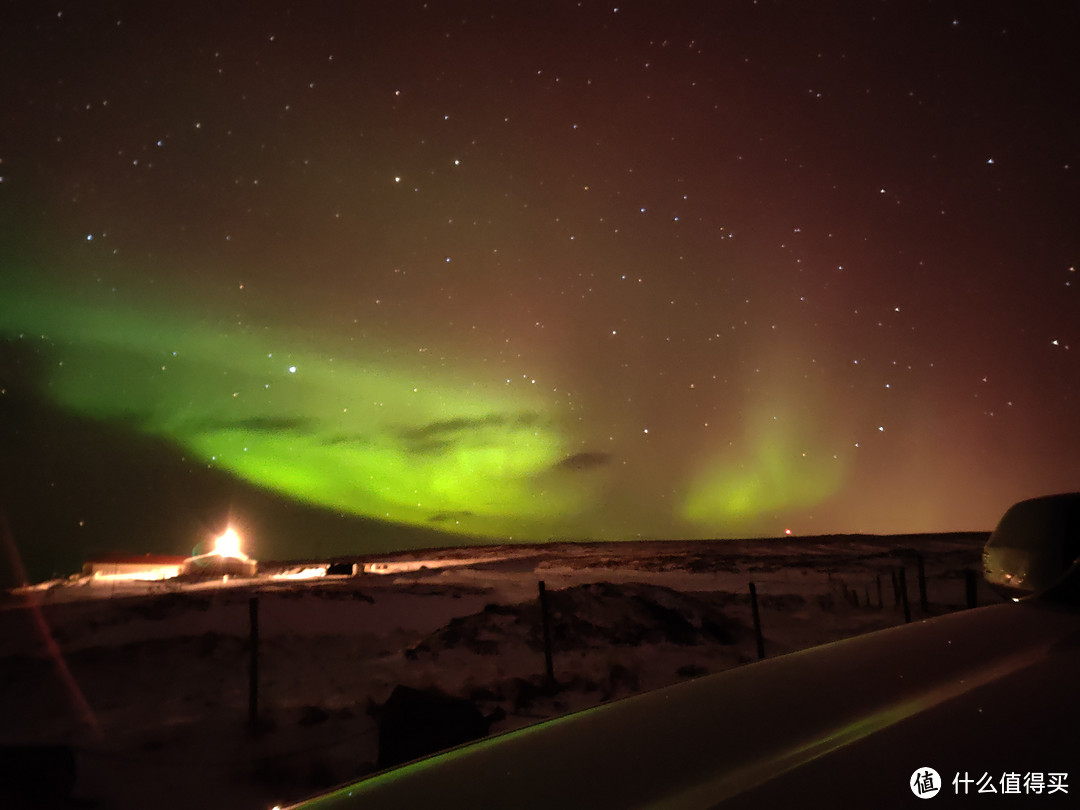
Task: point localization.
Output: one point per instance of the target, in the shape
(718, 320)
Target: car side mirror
(1035, 550)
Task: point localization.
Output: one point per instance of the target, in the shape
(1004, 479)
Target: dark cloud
(444, 517)
(437, 437)
(262, 424)
(584, 461)
(451, 426)
(354, 439)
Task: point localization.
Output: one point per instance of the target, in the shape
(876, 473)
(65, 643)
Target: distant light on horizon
(149, 574)
(227, 544)
(311, 572)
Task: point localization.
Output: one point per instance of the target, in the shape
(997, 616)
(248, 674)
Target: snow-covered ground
(149, 681)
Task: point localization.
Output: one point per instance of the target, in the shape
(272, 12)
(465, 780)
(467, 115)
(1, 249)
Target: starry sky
(418, 273)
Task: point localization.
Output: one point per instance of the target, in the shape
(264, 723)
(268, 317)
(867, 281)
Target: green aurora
(392, 440)
(366, 438)
(734, 490)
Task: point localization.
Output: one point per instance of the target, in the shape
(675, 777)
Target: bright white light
(306, 573)
(228, 545)
(146, 575)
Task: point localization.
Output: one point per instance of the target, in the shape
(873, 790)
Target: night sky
(534, 270)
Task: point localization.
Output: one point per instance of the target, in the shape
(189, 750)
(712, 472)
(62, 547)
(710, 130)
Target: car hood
(985, 691)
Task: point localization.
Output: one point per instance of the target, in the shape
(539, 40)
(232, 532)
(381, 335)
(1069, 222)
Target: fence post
(757, 622)
(549, 666)
(253, 662)
(901, 576)
(971, 585)
(923, 605)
